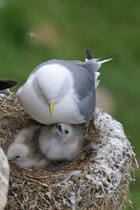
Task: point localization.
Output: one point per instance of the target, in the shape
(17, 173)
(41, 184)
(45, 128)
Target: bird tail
(89, 58)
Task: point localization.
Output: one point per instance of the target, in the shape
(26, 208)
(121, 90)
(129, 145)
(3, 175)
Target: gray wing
(84, 84)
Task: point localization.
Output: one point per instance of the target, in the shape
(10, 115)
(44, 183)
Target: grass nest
(98, 178)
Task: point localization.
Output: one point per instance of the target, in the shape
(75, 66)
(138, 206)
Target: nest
(98, 178)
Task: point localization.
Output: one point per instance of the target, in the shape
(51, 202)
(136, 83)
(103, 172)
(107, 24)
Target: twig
(32, 180)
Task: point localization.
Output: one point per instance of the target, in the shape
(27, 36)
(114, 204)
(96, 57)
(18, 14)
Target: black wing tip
(12, 82)
(4, 84)
(88, 54)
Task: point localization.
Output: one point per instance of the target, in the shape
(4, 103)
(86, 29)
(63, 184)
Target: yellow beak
(51, 109)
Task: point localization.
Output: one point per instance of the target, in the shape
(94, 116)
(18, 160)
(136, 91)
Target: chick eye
(17, 156)
(66, 131)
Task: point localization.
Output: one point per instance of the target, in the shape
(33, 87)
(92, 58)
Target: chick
(24, 150)
(60, 142)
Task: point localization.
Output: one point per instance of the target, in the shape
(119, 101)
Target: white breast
(65, 110)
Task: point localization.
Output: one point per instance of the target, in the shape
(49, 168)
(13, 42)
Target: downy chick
(24, 150)
(61, 141)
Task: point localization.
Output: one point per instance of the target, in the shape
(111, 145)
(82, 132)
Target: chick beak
(51, 105)
(59, 127)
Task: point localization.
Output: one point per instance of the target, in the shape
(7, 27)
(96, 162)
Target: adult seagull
(62, 91)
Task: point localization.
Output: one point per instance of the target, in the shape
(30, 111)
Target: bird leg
(53, 167)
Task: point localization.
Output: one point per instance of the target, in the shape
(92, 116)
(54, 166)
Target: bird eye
(17, 156)
(66, 131)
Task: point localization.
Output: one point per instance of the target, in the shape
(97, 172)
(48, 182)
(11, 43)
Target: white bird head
(17, 153)
(54, 79)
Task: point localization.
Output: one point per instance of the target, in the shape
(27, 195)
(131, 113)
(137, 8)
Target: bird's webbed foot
(56, 167)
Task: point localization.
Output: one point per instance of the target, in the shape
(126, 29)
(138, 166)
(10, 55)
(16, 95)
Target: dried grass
(98, 179)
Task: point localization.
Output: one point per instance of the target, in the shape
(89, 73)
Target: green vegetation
(63, 30)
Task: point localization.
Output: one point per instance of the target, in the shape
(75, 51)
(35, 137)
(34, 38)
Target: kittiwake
(62, 91)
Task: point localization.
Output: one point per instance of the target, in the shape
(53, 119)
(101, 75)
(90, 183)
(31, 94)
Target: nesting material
(98, 178)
